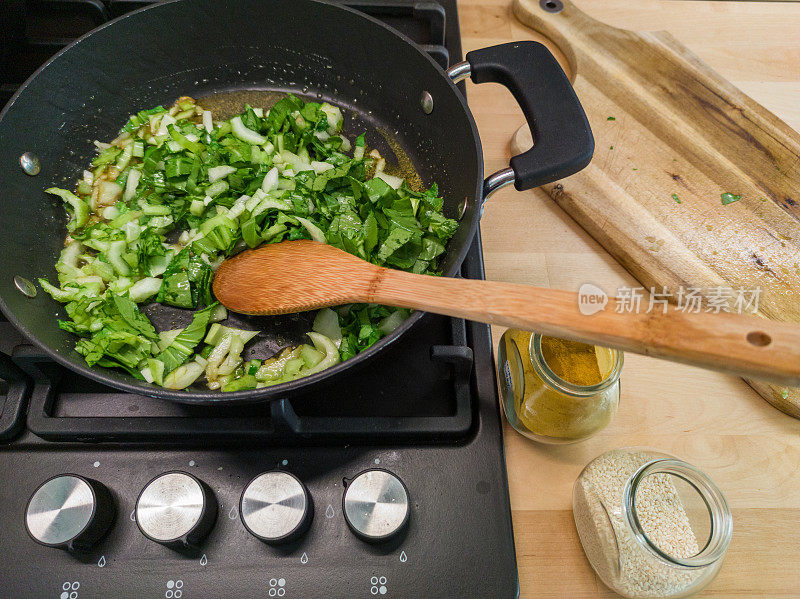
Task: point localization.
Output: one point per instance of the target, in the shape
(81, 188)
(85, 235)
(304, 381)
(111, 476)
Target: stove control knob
(177, 510)
(276, 507)
(69, 512)
(376, 505)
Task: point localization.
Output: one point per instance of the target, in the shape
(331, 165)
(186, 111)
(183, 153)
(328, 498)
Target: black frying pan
(201, 47)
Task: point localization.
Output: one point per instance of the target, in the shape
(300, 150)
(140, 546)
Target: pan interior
(261, 48)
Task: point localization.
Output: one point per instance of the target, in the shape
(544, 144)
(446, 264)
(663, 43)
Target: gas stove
(389, 482)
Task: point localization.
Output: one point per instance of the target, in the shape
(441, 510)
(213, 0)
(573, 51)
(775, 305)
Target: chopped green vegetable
(729, 198)
(182, 346)
(327, 323)
(217, 333)
(311, 356)
(611, 118)
(153, 372)
(183, 376)
(80, 209)
(248, 381)
(178, 192)
(676, 198)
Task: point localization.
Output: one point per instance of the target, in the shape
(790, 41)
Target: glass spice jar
(651, 525)
(557, 391)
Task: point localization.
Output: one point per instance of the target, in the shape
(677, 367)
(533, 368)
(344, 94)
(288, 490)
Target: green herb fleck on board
(676, 198)
(763, 199)
(636, 169)
(785, 394)
(611, 118)
(610, 147)
(729, 198)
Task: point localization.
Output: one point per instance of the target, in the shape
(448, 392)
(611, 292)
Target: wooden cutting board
(665, 123)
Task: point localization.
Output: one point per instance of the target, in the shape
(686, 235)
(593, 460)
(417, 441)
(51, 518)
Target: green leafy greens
(176, 193)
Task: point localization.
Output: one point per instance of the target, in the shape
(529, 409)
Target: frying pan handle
(563, 141)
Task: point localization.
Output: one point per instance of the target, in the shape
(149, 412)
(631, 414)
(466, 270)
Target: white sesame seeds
(618, 557)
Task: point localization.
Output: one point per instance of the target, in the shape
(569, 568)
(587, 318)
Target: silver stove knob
(69, 512)
(177, 510)
(276, 507)
(376, 505)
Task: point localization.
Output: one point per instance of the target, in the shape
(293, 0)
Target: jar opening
(553, 358)
(677, 513)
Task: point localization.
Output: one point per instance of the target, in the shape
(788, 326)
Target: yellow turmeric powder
(578, 401)
(572, 361)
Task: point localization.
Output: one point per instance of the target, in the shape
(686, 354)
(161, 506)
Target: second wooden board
(693, 184)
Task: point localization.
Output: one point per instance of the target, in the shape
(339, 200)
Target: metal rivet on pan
(552, 5)
(426, 101)
(30, 163)
(25, 286)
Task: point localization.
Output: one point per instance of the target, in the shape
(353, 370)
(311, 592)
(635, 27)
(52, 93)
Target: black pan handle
(562, 138)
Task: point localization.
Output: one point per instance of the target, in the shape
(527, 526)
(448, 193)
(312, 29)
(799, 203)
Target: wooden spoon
(295, 276)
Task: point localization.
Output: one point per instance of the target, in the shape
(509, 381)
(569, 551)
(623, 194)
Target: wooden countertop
(711, 420)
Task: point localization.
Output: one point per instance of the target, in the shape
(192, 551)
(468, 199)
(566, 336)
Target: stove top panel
(458, 540)
(420, 423)
(457, 543)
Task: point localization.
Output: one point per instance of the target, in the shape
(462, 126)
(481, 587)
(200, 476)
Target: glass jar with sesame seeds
(651, 525)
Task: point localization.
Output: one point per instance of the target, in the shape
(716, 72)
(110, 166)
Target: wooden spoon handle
(734, 343)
